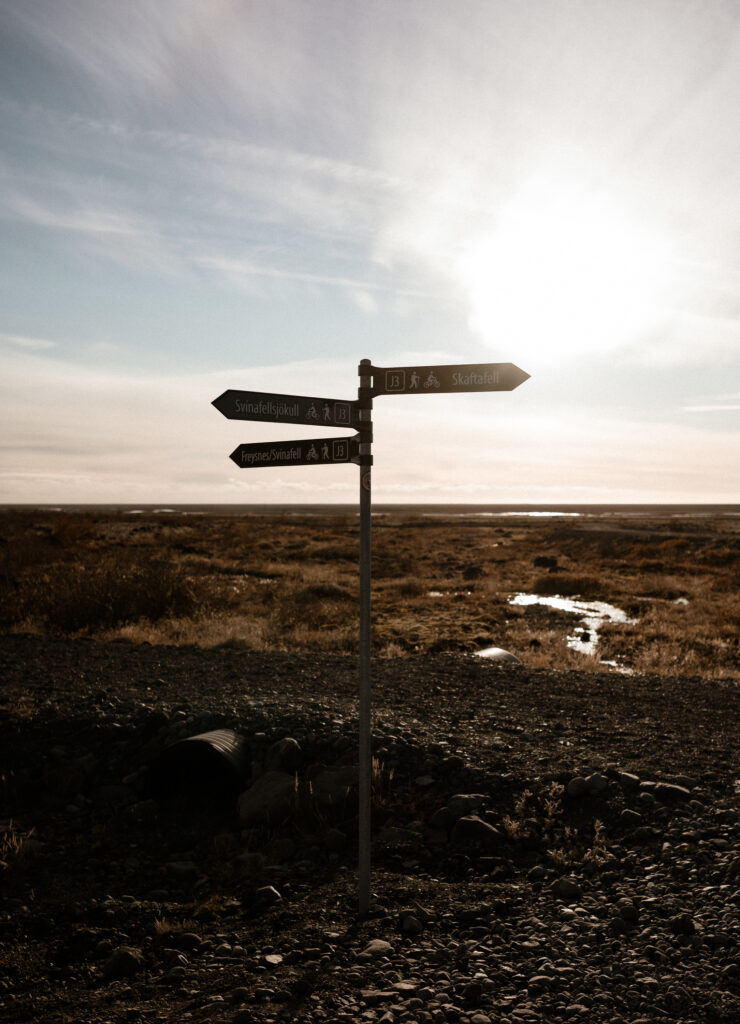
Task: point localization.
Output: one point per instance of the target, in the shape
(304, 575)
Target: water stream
(592, 615)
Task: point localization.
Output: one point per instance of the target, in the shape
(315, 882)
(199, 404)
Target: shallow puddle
(592, 614)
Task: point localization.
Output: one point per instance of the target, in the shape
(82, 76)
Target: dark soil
(594, 873)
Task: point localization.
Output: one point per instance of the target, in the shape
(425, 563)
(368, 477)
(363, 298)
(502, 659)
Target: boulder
(473, 830)
(465, 803)
(596, 784)
(123, 962)
(270, 799)
(284, 756)
(577, 787)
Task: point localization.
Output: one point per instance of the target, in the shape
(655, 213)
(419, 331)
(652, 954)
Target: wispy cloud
(717, 403)
(157, 437)
(22, 342)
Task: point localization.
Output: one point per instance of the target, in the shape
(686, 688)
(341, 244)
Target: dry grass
(289, 582)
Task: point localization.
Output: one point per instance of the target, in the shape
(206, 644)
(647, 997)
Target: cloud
(73, 434)
(20, 341)
(117, 234)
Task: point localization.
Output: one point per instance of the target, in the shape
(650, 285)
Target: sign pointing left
(259, 405)
(322, 451)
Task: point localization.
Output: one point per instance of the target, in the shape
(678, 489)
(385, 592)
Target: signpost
(374, 382)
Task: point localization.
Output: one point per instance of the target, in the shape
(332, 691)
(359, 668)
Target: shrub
(74, 597)
(566, 585)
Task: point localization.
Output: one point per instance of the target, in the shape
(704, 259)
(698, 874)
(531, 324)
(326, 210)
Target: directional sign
(323, 451)
(432, 380)
(257, 405)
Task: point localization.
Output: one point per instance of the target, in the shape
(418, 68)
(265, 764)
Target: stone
(375, 948)
(539, 982)
(442, 819)
(596, 784)
(411, 925)
(266, 895)
(628, 780)
(499, 654)
(627, 910)
(284, 756)
(268, 800)
(682, 924)
(577, 787)
(124, 962)
(424, 781)
(175, 975)
(374, 996)
(244, 1017)
(629, 818)
(472, 829)
(668, 793)
(406, 988)
(465, 803)
(568, 889)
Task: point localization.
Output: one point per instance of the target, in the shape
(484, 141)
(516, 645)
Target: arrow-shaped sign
(323, 451)
(433, 380)
(259, 405)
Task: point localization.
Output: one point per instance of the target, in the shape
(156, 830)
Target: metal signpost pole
(365, 405)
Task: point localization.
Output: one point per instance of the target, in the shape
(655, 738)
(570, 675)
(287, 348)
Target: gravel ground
(548, 846)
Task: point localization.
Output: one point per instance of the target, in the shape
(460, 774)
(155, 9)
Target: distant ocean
(450, 511)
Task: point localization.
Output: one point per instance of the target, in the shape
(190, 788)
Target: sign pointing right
(429, 380)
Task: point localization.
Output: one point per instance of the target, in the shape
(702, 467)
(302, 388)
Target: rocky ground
(548, 846)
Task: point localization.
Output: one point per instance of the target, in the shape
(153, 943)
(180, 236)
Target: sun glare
(557, 278)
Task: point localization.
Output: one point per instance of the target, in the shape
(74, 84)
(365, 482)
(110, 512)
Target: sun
(559, 276)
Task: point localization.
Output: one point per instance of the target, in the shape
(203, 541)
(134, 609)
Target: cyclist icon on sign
(312, 414)
(431, 381)
(312, 455)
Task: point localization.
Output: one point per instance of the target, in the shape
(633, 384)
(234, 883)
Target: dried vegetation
(287, 581)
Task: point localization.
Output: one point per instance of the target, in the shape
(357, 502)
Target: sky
(257, 194)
